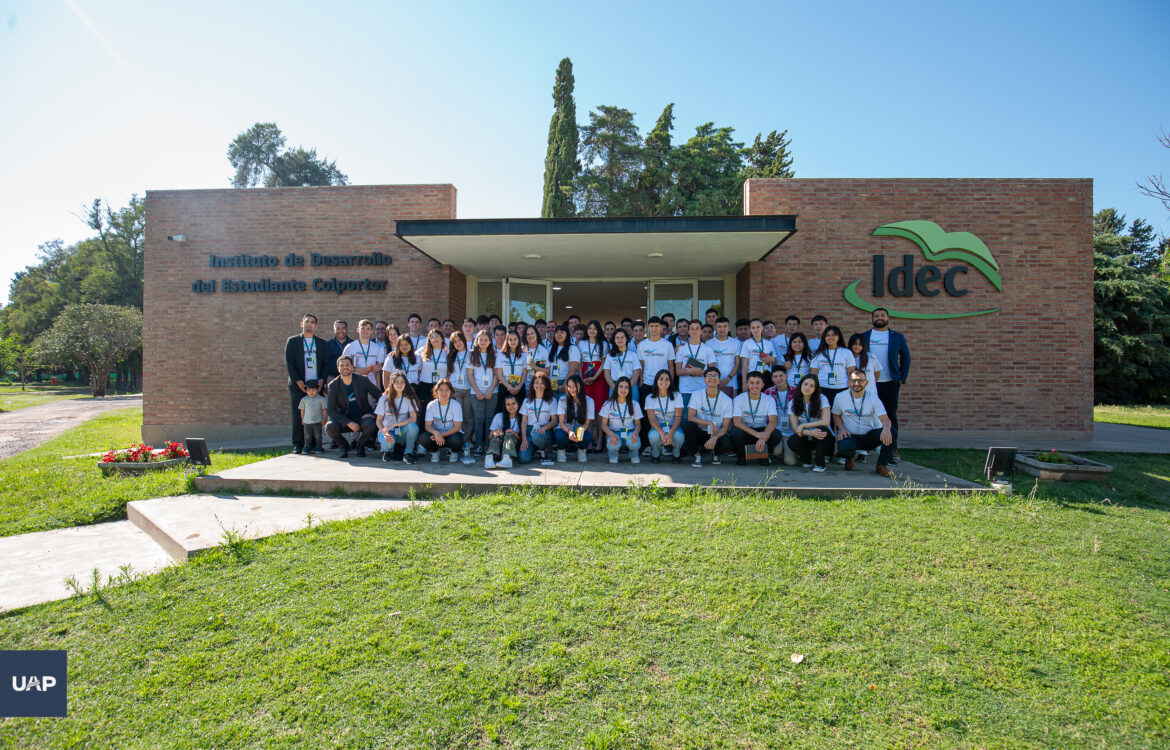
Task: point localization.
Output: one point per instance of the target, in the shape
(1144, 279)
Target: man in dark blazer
(306, 357)
(889, 351)
(350, 405)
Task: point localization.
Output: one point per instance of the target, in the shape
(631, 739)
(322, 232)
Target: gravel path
(27, 428)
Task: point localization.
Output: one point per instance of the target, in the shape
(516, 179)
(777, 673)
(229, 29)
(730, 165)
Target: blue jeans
(541, 440)
(562, 438)
(676, 440)
(482, 411)
(631, 441)
(406, 435)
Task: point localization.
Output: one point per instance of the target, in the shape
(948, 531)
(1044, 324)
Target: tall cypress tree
(560, 162)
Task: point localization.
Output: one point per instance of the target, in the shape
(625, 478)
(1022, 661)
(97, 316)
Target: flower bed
(139, 459)
(1061, 467)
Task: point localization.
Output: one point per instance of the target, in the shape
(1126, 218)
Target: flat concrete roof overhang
(629, 247)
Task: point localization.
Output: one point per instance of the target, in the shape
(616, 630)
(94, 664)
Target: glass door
(528, 300)
(678, 297)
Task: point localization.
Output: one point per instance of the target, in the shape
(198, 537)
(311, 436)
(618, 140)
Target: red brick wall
(214, 363)
(1027, 369)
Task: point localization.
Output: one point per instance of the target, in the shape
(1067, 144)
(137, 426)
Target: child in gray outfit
(312, 417)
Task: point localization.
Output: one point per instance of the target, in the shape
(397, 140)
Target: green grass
(637, 619)
(12, 398)
(42, 489)
(1143, 416)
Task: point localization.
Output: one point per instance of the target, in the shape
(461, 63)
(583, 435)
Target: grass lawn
(1143, 416)
(40, 489)
(11, 397)
(636, 619)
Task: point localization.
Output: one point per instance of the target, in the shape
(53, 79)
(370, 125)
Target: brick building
(221, 298)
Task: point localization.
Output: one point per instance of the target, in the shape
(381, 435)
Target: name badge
(434, 376)
(513, 380)
(555, 383)
(484, 381)
(310, 361)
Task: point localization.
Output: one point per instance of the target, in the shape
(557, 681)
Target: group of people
(663, 388)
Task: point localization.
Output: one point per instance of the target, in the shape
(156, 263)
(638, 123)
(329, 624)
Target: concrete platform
(187, 525)
(329, 475)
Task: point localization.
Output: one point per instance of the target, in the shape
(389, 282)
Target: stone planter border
(137, 467)
(1082, 469)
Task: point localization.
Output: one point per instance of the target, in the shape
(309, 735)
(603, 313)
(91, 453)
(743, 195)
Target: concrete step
(190, 524)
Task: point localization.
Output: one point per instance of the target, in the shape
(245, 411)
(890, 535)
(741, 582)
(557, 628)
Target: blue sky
(103, 99)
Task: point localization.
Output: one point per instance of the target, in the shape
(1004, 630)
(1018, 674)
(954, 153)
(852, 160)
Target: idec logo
(903, 279)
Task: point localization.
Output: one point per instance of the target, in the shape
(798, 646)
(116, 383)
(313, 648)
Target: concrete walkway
(27, 428)
(1107, 437)
(159, 532)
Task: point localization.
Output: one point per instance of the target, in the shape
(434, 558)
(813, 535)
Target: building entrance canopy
(619, 248)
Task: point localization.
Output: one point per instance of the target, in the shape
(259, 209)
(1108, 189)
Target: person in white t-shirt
(798, 359)
(780, 393)
(664, 413)
(692, 358)
(864, 362)
(575, 412)
(535, 354)
(539, 414)
(756, 354)
(432, 366)
(726, 348)
(403, 359)
(754, 422)
(708, 420)
(623, 361)
(414, 331)
(819, 324)
(564, 359)
(832, 364)
(861, 422)
(809, 415)
(620, 417)
(397, 419)
(443, 424)
(481, 375)
(366, 353)
(504, 435)
(656, 353)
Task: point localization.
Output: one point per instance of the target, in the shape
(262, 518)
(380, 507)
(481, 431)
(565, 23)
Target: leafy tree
(560, 161)
(706, 169)
(16, 355)
(96, 337)
(651, 196)
(768, 156)
(611, 163)
(259, 159)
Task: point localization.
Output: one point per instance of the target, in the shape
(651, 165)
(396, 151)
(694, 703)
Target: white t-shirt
(753, 353)
(312, 357)
(498, 423)
(664, 408)
(459, 369)
(701, 352)
(814, 344)
(781, 399)
(539, 413)
(870, 369)
(591, 353)
(510, 368)
(621, 416)
(816, 413)
(726, 353)
(800, 367)
(393, 410)
(879, 353)
(483, 374)
(859, 415)
(714, 411)
(419, 342)
(623, 365)
(832, 367)
(654, 355)
(433, 370)
(559, 368)
(538, 357)
(367, 355)
(754, 414)
(563, 402)
(443, 418)
(412, 371)
(780, 344)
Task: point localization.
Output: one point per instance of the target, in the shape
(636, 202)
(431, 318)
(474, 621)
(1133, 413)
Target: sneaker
(504, 463)
(613, 459)
(318, 449)
(819, 468)
(296, 450)
(361, 451)
(698, 462)
(714, 459)
(387, 457)
(655, 460)
(807, 466)
(561, 456)
(479, 450)
(581, 456)
(410, 459)
(452, 457)
(861, 457)
(435, 457)
(489, 462)
(676, 460)
(547, 460)
(646, 451)
(635, 459)
(840, 459)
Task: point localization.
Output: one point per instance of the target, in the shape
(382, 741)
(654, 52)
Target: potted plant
(1060, 466)
(139, 459)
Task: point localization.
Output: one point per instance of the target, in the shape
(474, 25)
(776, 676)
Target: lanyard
(443, 415)
(760, 349)
(511, 358)
(591, 352)
(832, 360)
(710, 405)
(618, 414)
(536, 407)
(309, 349)
(622, 362)
(857, 409)
(691, 350)
(459, 363)
(661, 406)
(398, 408)
(751, 411)
(365, 352)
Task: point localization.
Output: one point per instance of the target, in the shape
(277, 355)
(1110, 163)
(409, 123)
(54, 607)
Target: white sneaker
(435, 457)
(581, 457)
(698, 462)
(819, 468)
(504, 463)
(489, 462)
(452, 457)
(645, 451)
(547, 461)
(613, 459)
(634, 459)
(714, 459)
(841, 460)
(561, 456)
(807, 466)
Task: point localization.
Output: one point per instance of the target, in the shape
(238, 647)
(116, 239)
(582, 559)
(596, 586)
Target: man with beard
(307, 366)
(339, 341)
(889, 352)
(862, 425)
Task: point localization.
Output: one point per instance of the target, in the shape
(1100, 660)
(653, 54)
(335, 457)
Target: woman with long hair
(867, 364)
(798, 358)
(458, 359)
(564, 359)
(756, 354)
(433, 363)
(481, 375)
(623, 361)
(509, 371)
(539, 414)
(620, 417)
(809, 415)
(832, 363)
(504, 435)
(535, 354)
(664, 410)
(575, 412)
(397, 413)
(404, 359)
(593, 348)
(443, 424)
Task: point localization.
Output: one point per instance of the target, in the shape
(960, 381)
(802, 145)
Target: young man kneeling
(862, 423)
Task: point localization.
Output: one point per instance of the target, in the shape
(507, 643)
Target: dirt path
(29, 427)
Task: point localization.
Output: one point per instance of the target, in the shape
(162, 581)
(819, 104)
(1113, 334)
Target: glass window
(710, 295)
(491, 296)
(673, 298)
(527, 301)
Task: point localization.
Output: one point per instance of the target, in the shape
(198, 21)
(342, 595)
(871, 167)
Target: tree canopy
(560, 161)
(96, 337)
(259, 158)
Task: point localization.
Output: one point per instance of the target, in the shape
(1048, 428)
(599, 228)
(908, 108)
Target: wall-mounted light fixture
(177, 237)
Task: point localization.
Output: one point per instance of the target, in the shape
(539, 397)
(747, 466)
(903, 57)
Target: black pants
(696, 437)
(369, 428)
(453, 442)
(425, 393)
(295, 395)
(848, 447)
(741, 440)
(830, 395)
(888, 394)
(312, 436)
(805, 446)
